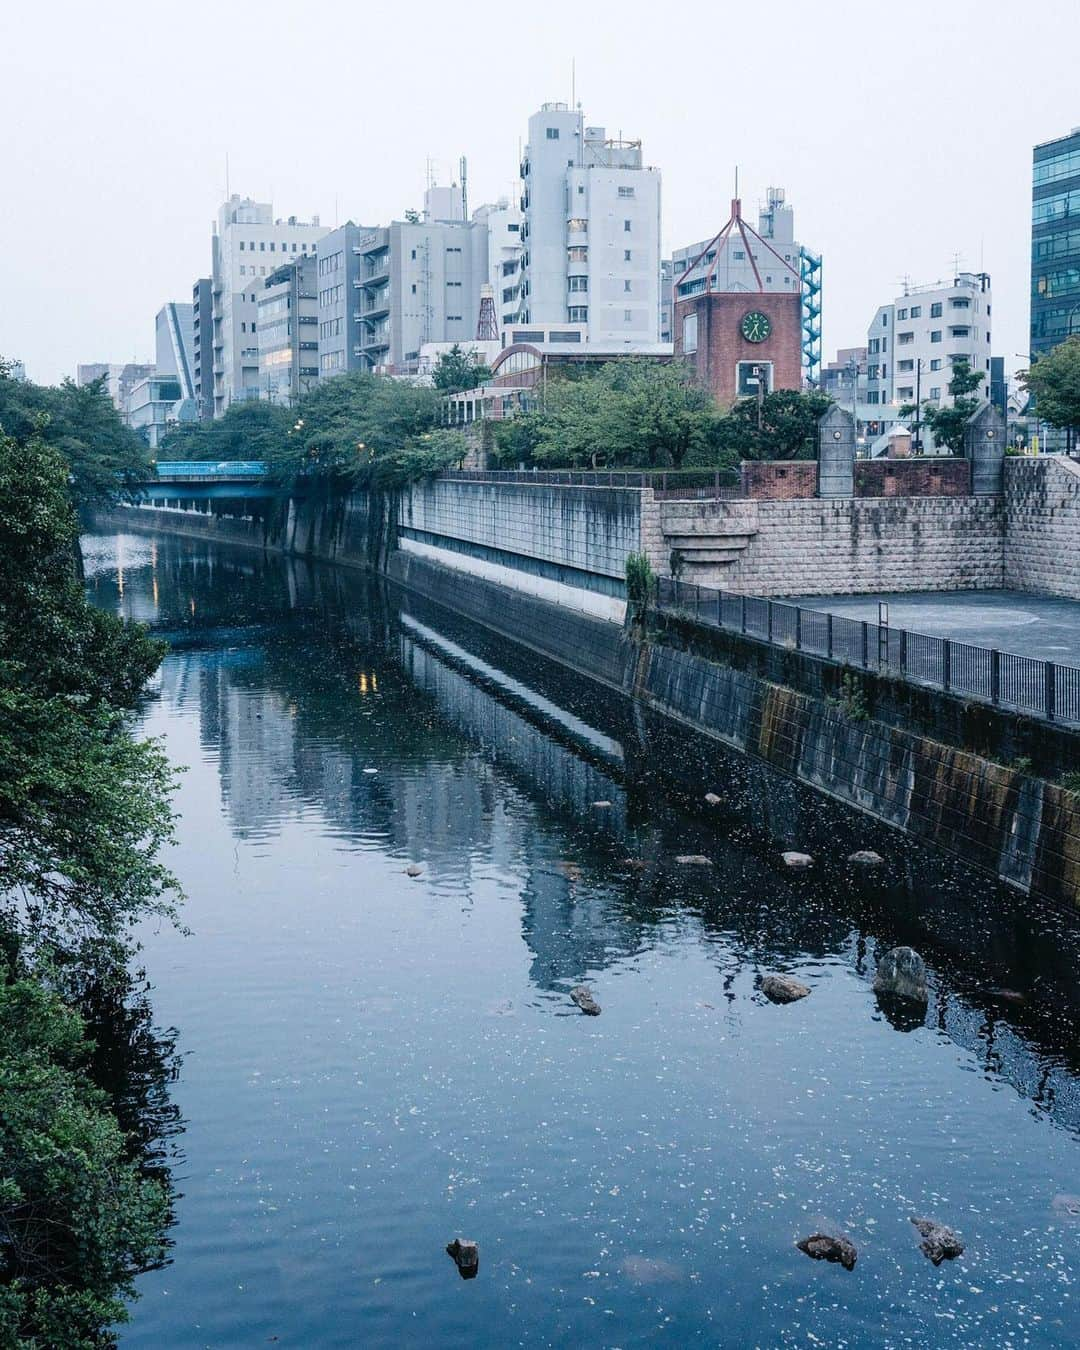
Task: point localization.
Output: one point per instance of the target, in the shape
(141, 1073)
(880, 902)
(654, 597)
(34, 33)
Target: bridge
(196, 479)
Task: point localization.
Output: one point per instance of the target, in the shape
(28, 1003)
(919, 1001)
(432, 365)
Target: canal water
(374, 1062)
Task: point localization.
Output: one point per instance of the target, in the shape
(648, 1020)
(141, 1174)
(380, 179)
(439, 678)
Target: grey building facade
(288, 331)
(1055, 242)
(202, 343)
(338, 300)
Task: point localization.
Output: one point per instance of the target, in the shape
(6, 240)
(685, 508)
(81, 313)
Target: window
(935, 310)
(626, 191)
(294, 248)
(905, 339)
(751, 374)
(935, 392)
(453, 318)
(959, 331)
(905, 391)
(271, 246)
(901, 313)
(626, 285)
(872, 396)
(243, 270)
(581, 190)
(553, 133)
(872, 372)
(960, 302)
(916, 311)
(905, 365)
(578, 284)
(453, 283)
(873, 346)
(885, 321)
(935, 364)
(626, 227)
(884, 344)
(262, 245)
(579, 314)
(241, 246)
(414, 288)
(628, 315)
(689, 334)
(935, 335)
(626, 255)
(454, 249)
(738, 253)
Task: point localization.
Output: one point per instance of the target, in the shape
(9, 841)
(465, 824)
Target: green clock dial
(756, 326)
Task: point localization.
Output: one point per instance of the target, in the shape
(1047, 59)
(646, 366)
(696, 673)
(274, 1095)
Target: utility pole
(917, 442)
(759, 371)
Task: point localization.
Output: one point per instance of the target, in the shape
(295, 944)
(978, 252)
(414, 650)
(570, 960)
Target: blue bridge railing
(206, 468)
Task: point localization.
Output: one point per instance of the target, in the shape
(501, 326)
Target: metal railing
(665, 482)
(1005, 679)
(209, 468)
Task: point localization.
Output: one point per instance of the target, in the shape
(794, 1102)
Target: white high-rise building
(248, 245)
(914, 341)
(590, 232)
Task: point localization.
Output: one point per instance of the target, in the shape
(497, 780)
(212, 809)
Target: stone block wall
(783, 479)
(857, 546)
(1042, 525)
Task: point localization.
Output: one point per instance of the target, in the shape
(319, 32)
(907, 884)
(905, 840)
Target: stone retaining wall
(1042, 525)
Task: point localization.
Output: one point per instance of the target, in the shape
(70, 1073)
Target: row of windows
(333, 263)
(332, 295)
(1060, 282)
(1057, 207)
(331, 361)
(262, 247)
(1059, 245)
(1062, 165)
(331, 328)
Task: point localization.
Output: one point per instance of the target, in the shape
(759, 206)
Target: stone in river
(939, 1243)
(712, 799)
(825, 1247)
(601, 805)
(866, 857)
(693, 859)
(799, 860)
(1068, 1206)
(466, 1257)
(783, 988)
(582, 996)
(413, 870)
(902, 972)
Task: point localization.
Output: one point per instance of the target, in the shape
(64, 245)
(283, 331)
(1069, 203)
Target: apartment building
(288, 331)
(248, 245)
(590, 231)
(914, 341)
(202, 347)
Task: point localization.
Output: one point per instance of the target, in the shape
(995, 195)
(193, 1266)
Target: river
(375, 1062)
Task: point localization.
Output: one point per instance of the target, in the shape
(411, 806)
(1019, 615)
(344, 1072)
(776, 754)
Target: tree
(788, 425)
(250, 429)
(628, 414)
(80, 421)
(1054, 379)
(457, 370)
(948, 426)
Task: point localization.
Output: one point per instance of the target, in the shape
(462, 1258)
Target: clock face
(756, 326)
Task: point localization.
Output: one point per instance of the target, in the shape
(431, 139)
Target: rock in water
(824, 1247)
(902, 972)
(866, 857)
(413, 870)
(582, 996)
(797, 860)
(692, 859)
(601, 806)
(466, 1257)
(783, 988)
(938, 1242)
(712, 799)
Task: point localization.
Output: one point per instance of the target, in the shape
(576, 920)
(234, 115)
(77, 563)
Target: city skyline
(896, 169)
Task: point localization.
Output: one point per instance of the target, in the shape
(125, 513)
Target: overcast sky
(901, 133)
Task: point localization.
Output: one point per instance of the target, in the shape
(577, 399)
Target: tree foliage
(458, 370)
(628, 413)
(948, 425)
(788, 430)
(250, 429)
(80, 422)
(1054, 379)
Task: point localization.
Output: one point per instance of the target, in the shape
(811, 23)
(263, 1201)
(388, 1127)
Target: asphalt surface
(1030, 625)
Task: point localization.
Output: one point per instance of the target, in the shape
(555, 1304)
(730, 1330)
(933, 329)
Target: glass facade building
(1055, 242)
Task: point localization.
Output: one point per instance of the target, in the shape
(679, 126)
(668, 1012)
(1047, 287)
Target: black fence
(668, 482)
(1042, 688)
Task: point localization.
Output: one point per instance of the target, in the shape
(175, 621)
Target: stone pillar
(836, 453)
(984, 446)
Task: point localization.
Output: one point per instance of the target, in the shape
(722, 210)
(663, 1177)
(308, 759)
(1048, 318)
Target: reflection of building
(288, 331)
(591, 232)
(1055, 242)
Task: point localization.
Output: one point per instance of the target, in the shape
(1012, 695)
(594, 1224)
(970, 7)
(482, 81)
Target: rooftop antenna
(227, 175)
(464, 189)
(573, 82)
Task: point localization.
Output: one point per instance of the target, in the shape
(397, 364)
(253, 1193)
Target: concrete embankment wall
(869, 745)
(1042, 526)
(567, 545)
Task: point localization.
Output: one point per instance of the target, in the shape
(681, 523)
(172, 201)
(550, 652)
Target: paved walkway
(1030, 625)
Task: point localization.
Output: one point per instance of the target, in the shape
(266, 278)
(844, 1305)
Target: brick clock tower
(734, 338)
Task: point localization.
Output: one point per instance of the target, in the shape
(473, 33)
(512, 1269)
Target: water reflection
(344, 733)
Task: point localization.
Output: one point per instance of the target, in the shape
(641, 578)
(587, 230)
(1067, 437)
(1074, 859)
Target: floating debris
(797, 860)
(783, 988)
(939, 1243)
(466, 1256)
(1007, 995)
(866, 857)
(601, 806)
(712, 799)
(582, 996)
(693, 860)
(825, 1247)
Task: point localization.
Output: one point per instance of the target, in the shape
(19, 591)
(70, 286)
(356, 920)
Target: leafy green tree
(628, 414)
(948, 426)
(1054, 379)
(421, 456)
(250, 429)
(788, 430)
(104, 457)
(457, 370)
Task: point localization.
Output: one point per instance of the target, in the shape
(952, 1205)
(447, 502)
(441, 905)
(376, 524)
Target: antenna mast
(464, 188)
